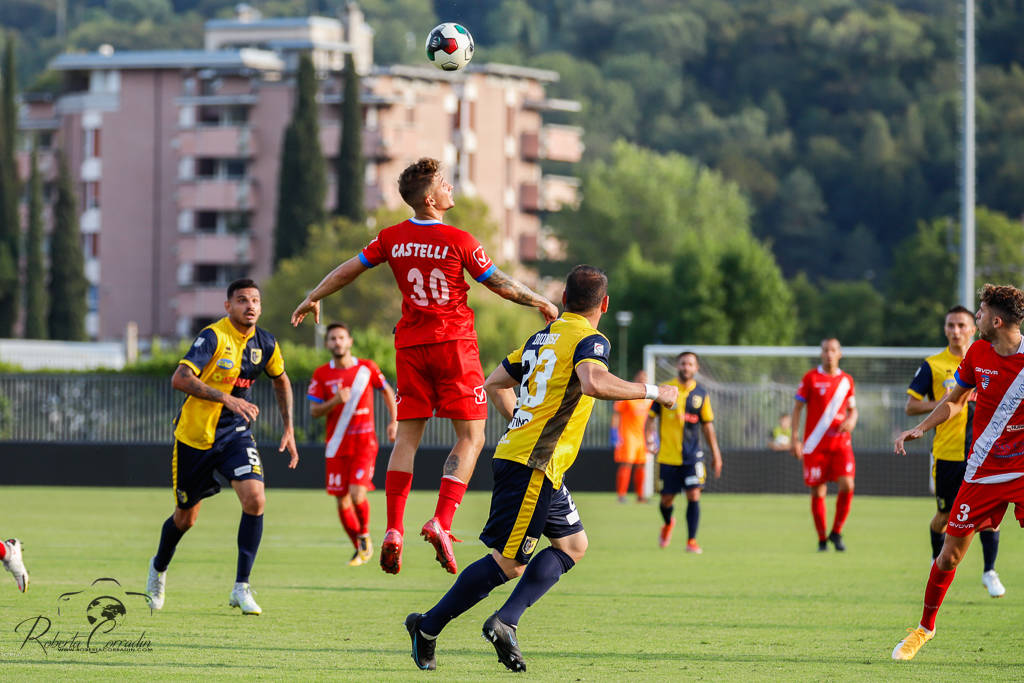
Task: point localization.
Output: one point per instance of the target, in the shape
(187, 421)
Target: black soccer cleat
(503, 638)
(422, 648)
(822, 546)
(837, 541)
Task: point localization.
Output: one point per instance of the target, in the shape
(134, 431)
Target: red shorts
(828, 465)
(442, 380)
(353, 464)
(982, 506)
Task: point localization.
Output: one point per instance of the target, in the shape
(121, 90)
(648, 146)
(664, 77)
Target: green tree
(35, 272)
(67, 285)
(10, 191)
(302, 183)
(350, 167)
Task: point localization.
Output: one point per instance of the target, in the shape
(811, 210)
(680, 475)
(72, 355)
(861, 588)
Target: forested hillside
(837, 119)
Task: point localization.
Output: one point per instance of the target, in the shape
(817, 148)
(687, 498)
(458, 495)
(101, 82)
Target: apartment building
(176, 155)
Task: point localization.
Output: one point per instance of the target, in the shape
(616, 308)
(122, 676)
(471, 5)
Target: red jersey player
(994, 367)
(826, 451)
(342, 390)
(437, 360)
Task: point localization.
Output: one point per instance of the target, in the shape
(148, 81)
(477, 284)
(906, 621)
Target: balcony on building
(551, 194)
(198, 247)
(219, 141)
(376, 145)
(554, 143)
(218, 194)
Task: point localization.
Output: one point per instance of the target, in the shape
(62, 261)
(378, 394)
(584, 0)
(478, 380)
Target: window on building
(510, 119)
(93, 298)
(44, 139)
(91, 245)
(206, 168)
(218, 274)
(91, 194)
(206, 221)
(199, 323)
(234, 168)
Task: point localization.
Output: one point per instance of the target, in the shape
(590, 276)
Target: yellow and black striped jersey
(229, 361)
(931, 382)
(551, 414)
(681, 426)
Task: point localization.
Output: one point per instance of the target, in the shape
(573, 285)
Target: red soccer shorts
(982, 506)
(442, 380)
(353, 464)
(828, 465)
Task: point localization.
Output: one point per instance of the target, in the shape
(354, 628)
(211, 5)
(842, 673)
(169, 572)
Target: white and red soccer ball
(450, 46)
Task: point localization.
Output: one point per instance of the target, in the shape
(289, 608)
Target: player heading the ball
(437, 360)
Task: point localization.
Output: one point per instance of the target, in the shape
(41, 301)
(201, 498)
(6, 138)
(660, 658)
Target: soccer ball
(449, 46)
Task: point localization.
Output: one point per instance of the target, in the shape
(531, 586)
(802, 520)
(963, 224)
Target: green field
(760, 603)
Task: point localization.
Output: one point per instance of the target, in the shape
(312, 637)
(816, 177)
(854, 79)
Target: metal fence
(129, 409)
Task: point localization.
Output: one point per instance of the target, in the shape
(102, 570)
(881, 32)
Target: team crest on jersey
(697, 401)
(481, 257)
(529, 543)
(984, 381)
(599, 349)
(255, 356)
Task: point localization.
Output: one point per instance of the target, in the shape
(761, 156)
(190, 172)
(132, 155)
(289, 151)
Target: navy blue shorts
(199, 474)
(525, 506)
(676, 478)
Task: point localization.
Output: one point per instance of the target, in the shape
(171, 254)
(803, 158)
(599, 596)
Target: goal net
(752, 386)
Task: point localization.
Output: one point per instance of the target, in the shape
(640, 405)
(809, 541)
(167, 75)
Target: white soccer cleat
(155, 585)
(14, 563)
(241, 597)
(993, 584)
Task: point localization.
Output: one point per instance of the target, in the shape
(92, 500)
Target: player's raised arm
(332, 282)
(597, 381)
(950, 406)
(509, 288)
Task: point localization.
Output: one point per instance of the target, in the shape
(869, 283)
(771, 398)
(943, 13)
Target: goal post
(752, 386)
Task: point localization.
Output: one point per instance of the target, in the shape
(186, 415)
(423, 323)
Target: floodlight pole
(624, 319)
(967, 165)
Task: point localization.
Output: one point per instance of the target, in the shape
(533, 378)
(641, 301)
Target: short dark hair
(416, 179)
(1006, 301)
(828, 338)
(960, 309)
(242, 283)
(585, 288)
(688, 353)
(335, 326)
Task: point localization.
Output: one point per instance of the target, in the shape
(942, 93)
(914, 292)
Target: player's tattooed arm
(186, 381)
(513, 290)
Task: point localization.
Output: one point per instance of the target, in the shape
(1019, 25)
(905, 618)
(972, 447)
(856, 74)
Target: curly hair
(1005, 301)
(416, 180)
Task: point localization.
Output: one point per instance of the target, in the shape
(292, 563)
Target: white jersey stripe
(825, 421)
(1008, 405)
(359, 384)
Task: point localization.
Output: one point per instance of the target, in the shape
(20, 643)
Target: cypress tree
(10, 222)
(302, 183)
(35, 273)
(67, 286)
(350, 150)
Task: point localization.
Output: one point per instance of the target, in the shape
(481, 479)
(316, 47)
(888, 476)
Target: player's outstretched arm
(509, 288)
(332, 282)
(283, 392)
(186, 381)
(500, 392)
(949, 407)
(597, 381)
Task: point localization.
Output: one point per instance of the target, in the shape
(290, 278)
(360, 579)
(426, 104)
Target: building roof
(278, 22)
(428, 72)
(246, 58)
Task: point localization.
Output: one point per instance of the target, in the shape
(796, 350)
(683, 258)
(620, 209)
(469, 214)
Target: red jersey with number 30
(997, 453)
(427, 258)
(355, 416)
(827, 397)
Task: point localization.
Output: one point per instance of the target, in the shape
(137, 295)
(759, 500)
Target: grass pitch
(760, 603)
